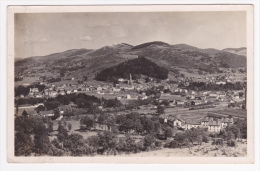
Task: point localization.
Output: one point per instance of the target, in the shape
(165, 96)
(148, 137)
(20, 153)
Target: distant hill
(150, 43)
(233, 60)
(171, 57)
(184, 47)
(238, 51)
(136, 67)
(209, 51)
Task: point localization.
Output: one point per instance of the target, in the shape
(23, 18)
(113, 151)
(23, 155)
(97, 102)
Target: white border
(3, 60)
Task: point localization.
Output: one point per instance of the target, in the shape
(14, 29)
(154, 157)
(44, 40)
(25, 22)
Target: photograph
(114, 83)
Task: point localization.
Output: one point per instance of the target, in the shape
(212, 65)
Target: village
(176, 102)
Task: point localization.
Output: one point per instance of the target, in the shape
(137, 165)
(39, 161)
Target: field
(197, 115)
(75, 126)
(237, 113)
(27, 81)
(29, 110)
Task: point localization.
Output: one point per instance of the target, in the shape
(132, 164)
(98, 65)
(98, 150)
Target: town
(148, 111)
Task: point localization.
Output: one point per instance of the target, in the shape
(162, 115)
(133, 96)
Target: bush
(231, 143)
(173, 144)
(205, 139)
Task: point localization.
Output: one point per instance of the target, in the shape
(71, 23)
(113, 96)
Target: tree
(21, 90)
(40, 108)
(160, 109)
(62, 133)
(139, 127)
(93, 141)
(85, 78)
(69, 126)
(127, 125)
(63, 99)
(76, 144)
(62, 74)
(107, 140)
(41, 139)
(87, 122)
(23, 144)
(51, 104)
(56, 114)
(129, 145)
(50, 126)
(25, 114)
(148, 140)
(168, 132)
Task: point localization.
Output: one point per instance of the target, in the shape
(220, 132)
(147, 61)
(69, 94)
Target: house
(53, 94)
(236, 96)
(99, 88)
(220, 82)
(34, 90)
(226, 121)
(116, 89)
(101, 92)
(171, 98)
(180, 102)
(177, 122)
(47, 113)
(129, 88)
(192, 124)
(128, 96)
(214, 126)
(205, 121)
(213, 95)
(121, 80)
(196, 102)
(193, 92)
(62, 109)
(185, 90)
(221, 94)
(62, 93)
(38, 95)
(205, 92)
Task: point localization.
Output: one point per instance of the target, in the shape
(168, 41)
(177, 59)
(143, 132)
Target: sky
(39, 34)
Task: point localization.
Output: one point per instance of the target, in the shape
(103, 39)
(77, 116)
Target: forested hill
(136, 67)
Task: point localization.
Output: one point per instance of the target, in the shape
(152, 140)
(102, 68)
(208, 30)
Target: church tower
(130, 80)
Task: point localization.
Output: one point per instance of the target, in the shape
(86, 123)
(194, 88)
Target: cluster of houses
(175, 96)
(212, 124)
(183, 96)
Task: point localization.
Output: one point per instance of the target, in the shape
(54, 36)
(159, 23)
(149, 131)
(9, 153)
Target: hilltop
(239, 51)
(149, 44)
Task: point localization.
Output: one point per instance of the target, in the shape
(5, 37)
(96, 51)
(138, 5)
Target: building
(192, 124)
(48, 113)
(214, 126)
(205, 121)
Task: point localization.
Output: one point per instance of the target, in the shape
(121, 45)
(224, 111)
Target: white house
(214, 126)
(193, 124)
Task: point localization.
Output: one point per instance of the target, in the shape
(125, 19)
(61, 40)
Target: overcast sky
(43, 34)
